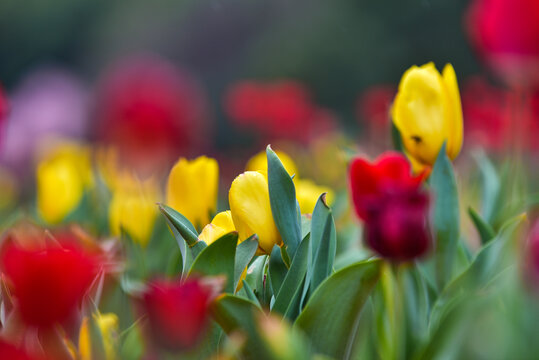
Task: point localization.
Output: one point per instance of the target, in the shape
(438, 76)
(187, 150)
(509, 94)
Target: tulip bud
(259, 162)
(192, 189)
(48, 283)
(133, 209)
(251, 210)
(307, 193)
(62, 178)
(107, 326)
(427, 112)
(390, 202)
(221, 224)
(178, 313)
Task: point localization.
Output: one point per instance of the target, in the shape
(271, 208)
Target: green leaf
(233, 314)
(291, 286)
(446, 216)
(249, 293)
(491, 186)
(324, 242)
(218, 259)
(489, 262)
(486, 232)
(277, 269)
(282, 195)
(244, 254)
(181, 224)
(132, 347)
(331, 317)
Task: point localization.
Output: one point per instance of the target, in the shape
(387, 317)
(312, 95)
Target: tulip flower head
(12, 352)
(388, 198)
(506, 33)
(177, 312)
(427, 112)
(48, 283)
(221, 224)
(192, 189)
(132, 208)
(251, 210)
(259, 162)
(62, 178)
(307, 193)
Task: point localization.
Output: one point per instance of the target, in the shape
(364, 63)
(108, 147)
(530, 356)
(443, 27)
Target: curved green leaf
(446, 216)
(244, 254)
(218, 259)
(331, 317)
(283, 203)
(486, 232)
(324, 242)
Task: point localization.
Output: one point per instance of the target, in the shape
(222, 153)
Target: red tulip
(279, 110)
(389, 199)
(12, 352)
(178, 312)
(506, 33)
(149, 110)
(48, 283)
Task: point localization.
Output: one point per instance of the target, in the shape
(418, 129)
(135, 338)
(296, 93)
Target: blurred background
(164, 79)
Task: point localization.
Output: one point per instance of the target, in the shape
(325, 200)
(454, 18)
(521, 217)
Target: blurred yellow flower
(108, 327)
(251, 211)
(259, 162)
(221, 224)
(307, 193)
(192, 189)
(427, 112)
(133, 208)
(62, 178)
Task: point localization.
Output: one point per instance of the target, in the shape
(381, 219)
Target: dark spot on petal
(416, 138)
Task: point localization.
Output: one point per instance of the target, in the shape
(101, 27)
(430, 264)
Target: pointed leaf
(446, 216)
(331, 317)
(218, 259)
(293, 279)
(277, 269)
(486, 232)
(244, 254)
(324, 242)
(283, 202)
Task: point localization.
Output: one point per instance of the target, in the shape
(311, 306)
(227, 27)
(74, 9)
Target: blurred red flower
(12, 352)
(389, 199)
(279, 110)
(373, 106)
(149, 110)
(489, 115)
(506, 34)
(178, 312)
(49, 282)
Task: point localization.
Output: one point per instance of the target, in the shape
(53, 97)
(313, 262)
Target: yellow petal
(221, 224)
(454, 113)
(259, 163)
(192, 189)
(251, 210)
(62, 177)
(133, 209)
(108, 327)
(419, 112)
(307, 193)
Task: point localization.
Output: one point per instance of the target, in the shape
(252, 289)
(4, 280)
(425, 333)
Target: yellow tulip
(427, 112)
(108, 327)
(251, 211)
(259, 162)
(62, 178)
(307, 193)
(192, 189)
(133, 208)
(221, 224)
